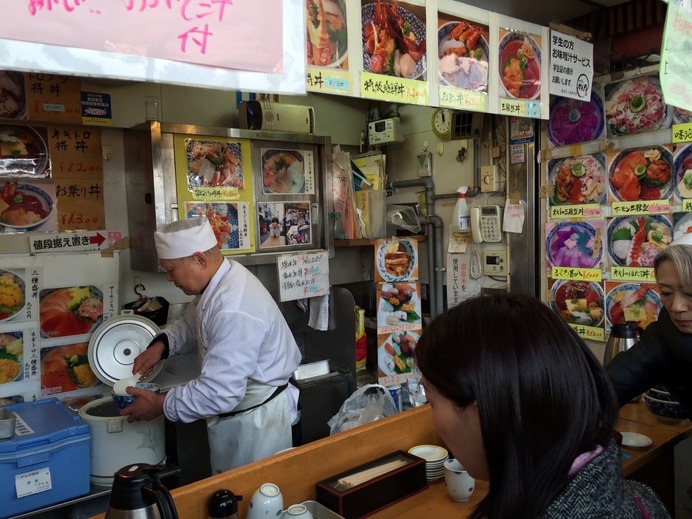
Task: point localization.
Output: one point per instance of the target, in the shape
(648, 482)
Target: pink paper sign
(234, 34)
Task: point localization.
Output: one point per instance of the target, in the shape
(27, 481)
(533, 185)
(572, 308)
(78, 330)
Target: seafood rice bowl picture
(70, 311)
(23, 152)
(393, 40)
(520, 65)
(11, 295)
(578, 180)
(574, 244)
(579, 302)
(632, 302)
(11, 355)
(682, 171)
(573, 121)
(634, 241)
(635, 105)
(327, 39)
(12, 100)
(463, 56)
(24, 207)
(642, 174)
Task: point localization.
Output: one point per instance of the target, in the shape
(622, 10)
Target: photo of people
(284, 224)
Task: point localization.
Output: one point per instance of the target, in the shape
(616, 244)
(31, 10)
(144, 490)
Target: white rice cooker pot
(115, 442)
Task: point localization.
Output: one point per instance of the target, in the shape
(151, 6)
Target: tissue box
(368, 488)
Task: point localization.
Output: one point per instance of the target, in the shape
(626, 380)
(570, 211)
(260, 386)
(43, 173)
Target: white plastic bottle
(461, 219)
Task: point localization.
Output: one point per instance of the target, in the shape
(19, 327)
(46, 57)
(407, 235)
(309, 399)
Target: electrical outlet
(490, 179)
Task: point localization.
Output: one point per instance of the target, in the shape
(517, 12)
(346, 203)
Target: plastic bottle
(461, 219)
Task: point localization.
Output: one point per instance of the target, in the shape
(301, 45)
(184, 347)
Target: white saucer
(430, 453)
(630, 439)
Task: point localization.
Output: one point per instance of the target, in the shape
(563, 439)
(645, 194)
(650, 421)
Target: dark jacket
(663, 355)
(599, 491)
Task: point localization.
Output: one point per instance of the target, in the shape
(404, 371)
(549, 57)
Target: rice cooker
(115, 443)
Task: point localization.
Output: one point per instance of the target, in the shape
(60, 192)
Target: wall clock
(442, 123)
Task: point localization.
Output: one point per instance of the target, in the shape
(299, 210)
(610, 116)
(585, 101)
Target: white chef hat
(183, 238)
(685, 239)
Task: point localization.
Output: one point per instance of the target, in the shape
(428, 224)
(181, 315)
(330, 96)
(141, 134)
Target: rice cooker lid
(115, 344)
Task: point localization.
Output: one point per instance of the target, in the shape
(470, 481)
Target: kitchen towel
(319, 313)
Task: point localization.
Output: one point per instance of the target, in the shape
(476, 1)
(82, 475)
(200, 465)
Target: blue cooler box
(47, 459)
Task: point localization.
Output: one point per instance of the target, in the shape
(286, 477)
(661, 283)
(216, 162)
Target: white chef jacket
(242, 335)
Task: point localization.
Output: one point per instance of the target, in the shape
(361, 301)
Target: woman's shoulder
(646, 499)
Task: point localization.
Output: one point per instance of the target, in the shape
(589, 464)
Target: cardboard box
(407, 477)
(46, 461)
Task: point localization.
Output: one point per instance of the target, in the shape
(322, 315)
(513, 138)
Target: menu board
(303, 275)
(46, 327)
(612, 207)
(215, 180)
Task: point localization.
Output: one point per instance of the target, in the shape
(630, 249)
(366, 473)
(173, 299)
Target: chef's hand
(146, 361)
(147, 406)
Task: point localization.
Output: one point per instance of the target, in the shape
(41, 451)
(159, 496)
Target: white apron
(250, 436)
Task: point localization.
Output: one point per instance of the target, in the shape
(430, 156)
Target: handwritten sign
(574, 273)
(682, 133)
(196, 32)
(195, 42)
(571, 66)
(632, 274)
(395, 89)
(463, 99)
(53, 98)
(589, 332)
(329, 81)
(575, 211)
(303, 275)
(641, 207)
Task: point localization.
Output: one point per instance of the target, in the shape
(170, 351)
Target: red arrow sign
(98, 239)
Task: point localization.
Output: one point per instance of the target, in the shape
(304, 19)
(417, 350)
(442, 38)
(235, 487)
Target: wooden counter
(296, 471)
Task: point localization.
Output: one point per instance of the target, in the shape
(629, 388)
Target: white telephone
(486, 224)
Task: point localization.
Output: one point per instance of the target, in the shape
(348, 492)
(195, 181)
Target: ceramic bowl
(661, 393)
(668, 410)
(122, 401)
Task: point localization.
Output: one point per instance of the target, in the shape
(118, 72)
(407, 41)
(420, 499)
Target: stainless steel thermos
(138, 494)
(622, 337)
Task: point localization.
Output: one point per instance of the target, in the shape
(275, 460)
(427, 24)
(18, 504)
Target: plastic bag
(367, 404)
(404, 217)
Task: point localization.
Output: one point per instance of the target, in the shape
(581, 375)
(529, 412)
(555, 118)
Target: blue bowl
(122, 401)
(665, 410)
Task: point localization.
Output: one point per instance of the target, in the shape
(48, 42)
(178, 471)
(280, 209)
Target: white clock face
(442, 120)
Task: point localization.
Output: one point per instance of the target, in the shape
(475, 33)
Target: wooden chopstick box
(374, 494)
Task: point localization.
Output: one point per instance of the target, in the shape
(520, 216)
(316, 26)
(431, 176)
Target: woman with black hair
(521, 402)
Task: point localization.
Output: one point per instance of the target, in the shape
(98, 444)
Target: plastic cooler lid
(42, 422)
(115, 344)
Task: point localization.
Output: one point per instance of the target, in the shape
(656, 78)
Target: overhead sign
(571, 66)
(195, 42)
(675, 50)
(68, 242)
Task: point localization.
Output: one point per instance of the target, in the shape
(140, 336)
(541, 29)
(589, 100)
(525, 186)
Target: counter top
(297, 470)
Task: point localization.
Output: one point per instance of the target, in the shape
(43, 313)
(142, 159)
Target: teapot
(622, 337)
(138, 494)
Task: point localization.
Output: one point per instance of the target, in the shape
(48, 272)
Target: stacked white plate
(434, 457)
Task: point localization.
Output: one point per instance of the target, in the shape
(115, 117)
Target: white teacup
(460, 485)
(298, 512)
(267, 501)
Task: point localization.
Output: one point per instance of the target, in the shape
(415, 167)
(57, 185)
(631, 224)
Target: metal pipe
(433, 222)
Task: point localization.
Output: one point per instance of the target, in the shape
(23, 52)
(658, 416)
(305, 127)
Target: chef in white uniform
(246, 349)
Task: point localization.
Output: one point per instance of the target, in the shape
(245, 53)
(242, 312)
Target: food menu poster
(43, 97)
(214, 178)
(399, 311)
(331, 45)
(47, 316)
(463, 53)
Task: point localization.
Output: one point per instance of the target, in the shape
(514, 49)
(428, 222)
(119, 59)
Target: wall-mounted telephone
(486, 224)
